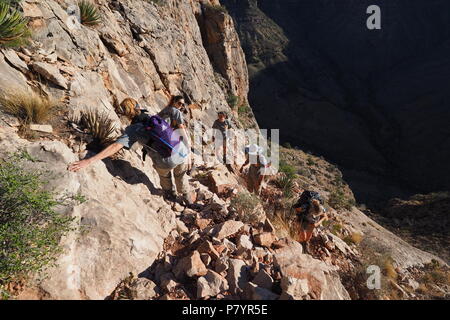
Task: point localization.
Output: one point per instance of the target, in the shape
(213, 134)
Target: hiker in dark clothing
(222, 125)
(310, 215)
(164, 163)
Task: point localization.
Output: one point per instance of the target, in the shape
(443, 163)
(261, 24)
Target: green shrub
(245, 204)
(88, 13)
(233, 101)
(339, 200)
(310, 161)
(287, 169)
(243, 109)
(286, 184)
(30, 229)
(13, 26)
(287, 145)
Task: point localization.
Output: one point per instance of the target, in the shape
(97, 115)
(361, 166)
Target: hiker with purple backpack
(168, 148)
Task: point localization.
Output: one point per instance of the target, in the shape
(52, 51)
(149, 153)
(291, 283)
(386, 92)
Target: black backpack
(305, 200)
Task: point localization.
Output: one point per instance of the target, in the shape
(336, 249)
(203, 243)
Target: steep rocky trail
(219, 248)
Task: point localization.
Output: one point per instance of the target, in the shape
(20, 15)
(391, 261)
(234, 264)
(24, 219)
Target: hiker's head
(222, 116)
(129, 108)
(316, 207)
(178, 102)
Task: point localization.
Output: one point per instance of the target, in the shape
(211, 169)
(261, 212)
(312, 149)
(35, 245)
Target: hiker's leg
(259, 184)
(224, 151)
(309, 232)
(181, 178)
(165, 178)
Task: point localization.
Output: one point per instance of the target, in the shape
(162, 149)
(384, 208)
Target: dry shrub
(27, 106)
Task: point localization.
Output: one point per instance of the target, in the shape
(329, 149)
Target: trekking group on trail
(165, 139)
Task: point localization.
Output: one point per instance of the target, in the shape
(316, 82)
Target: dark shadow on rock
(130, 174)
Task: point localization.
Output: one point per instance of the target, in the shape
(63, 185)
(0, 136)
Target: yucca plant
(88, 13)
(100, 125)
(13, 26)
(286, 183)
(27, 106)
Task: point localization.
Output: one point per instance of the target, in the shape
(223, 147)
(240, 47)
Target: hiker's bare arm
(324, 217)
(184, 135)
(105, 153)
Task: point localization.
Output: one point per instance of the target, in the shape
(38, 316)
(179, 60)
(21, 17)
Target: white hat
(254, 149)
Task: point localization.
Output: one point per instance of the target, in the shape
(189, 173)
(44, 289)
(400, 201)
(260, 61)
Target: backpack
(162, 137)
(306, 198)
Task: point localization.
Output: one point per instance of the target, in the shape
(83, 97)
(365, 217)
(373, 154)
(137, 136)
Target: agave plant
(286, 183)
(13, 26)
(100, 125)
(88, 13)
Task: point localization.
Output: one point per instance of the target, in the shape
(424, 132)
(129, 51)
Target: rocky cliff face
(149, 50)
(371, 101)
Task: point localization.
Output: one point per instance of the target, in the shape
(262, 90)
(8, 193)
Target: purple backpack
(163, 137)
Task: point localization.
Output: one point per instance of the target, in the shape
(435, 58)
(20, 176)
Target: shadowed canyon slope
(375, 102)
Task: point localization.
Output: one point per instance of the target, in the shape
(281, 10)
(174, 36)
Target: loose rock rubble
(215, 259)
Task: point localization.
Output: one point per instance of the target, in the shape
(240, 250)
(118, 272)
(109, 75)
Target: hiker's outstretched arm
(105, 153)
(318, 223)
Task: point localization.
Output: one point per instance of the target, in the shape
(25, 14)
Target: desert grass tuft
(27, 106)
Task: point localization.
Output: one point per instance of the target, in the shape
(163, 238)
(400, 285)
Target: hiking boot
(169, 195)
(187, 199)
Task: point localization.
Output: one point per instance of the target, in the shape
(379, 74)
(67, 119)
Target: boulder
(51, 73)
(237, 275)
(208, 248)
(202, 223)
(41, 128)
(229, 245)
(263, 280)
(225, 229)
(253, 292)
(190, 266)
(12, 57)
(222, 264)
(211, 285)
(168, 282)
(143, 289)
(323, 280)
(220, 179)
(244, 242)
(293, 288)
(181, 227)
(264, 239)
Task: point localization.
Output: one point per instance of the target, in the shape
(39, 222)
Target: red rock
(264, 239)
